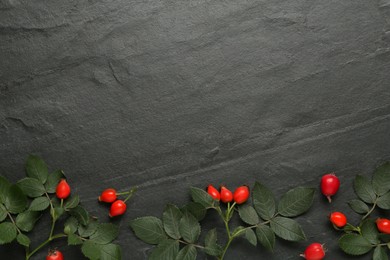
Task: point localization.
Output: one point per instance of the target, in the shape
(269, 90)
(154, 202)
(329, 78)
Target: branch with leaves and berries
(22, 205)
(176, 233)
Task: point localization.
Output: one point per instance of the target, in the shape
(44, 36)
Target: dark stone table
(171, 94)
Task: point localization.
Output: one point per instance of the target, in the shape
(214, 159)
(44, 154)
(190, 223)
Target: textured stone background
(171, 94)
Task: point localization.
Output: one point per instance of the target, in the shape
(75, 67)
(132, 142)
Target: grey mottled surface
(171, 94)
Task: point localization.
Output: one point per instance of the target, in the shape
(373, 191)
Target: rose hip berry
(314, 251)
(383, 225)
(241, 194)
(108, 195)
(117, 208)
(213, 192)
(54, 255)
(338, 219)
(329, 185)
(63, 189)
(226, 195)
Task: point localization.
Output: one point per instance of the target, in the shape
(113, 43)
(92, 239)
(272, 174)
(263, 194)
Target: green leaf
(171, 219)
(71, 225)
(384, 201)
(211, 238)
(3, 212)
(166, 250)
(296, 201)
(36, 168)
(354, 244)
(369, 231)
(187, 253)
(91, 250)
(358, 206)
(26, 220)
(52, 181)
(238, 231)
(287, 229)
(251, 236)
(4, 185)
(110, 252)
(7, 232)
(39, 204)
(196, 209)
(89, 229)
(263, 201)
(149, 229)
(266, 236)
(380, 254)
(248, 215)
(189, 228)
(31, 187)
(81, 214)
(381, 179)
(23, 240)
(15, 200)
(72, 202)
(105, 233)
(74, 239)
(363, 189)
(201, 196)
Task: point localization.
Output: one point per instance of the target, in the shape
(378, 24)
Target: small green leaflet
(187, 253)
(166, 250)
(358, 206)
(363, 189)
(201, 196)
(296, 201)
(149, 229)
(31, 187)
(248, 214)
(266, 236)
(26, 220)
(381, 179)
(380, 253)
(36, 168)
(287, 229)
(7, 232)
(15, 200)
(39, 204)
(105, 233)
(171, 220)
(354, 244)
(189, 228)
(263, 201)
(251, 236)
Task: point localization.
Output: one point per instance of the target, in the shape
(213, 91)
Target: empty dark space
(165, 95)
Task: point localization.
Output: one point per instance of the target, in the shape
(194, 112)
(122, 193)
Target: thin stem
(43, 244)
(370, 211)
(13, 221)
(131, 192)
(226, 247)
(195, 245)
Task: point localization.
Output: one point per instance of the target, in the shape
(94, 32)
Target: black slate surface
(171, 94)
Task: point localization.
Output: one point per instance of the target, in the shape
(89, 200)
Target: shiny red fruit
(63, 189)
(314, 251)
(54, 255)
(226, 195)
(338, 219)
(108, 195)
(241, 194)
(329, 185)
(383, 225)
(117, 208)
(213, 192)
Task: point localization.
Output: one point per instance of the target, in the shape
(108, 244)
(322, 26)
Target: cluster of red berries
(118, 207)
(240, 195)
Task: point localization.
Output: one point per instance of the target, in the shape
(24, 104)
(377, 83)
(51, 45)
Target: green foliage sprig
(22, 204)
(177, 233)
(365, 237)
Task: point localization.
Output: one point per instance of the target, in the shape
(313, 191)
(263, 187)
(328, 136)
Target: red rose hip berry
(117, 208)
(54, 255)
(108, 195)
(329, 185)
(314, 251)
(226, 195)
(63, 189)
(241, 194)
(338, 219)
(213, 192)
(383, 225)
